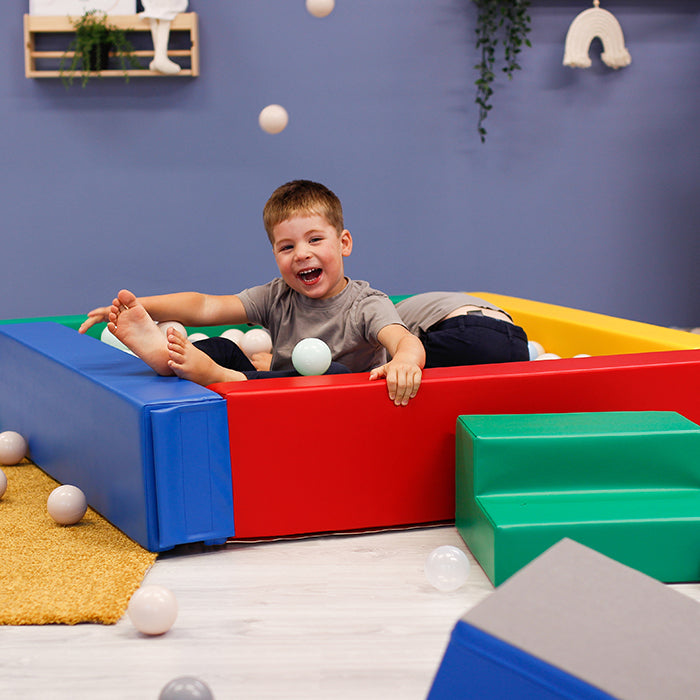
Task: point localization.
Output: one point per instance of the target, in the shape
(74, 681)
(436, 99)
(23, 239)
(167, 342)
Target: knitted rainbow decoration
(592, 23)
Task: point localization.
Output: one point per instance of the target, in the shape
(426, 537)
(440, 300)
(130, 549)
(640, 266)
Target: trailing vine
(92, 32)
(509, 22)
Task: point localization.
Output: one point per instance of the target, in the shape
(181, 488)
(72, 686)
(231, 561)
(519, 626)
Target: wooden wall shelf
(42, 60)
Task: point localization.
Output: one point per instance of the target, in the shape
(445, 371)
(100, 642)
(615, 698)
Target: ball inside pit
(254, 341)
(235, 335)
(164, 326)
(311, 356)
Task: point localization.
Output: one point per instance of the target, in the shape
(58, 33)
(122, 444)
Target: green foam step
(626, 484)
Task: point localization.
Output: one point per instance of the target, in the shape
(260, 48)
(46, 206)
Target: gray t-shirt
(348, 322)
(421, 311)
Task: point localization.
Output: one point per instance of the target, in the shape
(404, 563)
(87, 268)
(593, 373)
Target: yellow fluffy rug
(52, 573)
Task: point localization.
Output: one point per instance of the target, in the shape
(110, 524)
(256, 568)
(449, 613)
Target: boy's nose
(301, 252)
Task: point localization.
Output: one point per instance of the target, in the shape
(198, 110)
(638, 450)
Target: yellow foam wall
(568, 332)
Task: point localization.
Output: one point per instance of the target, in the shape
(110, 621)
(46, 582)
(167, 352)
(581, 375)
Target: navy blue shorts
(473, 339)
(227, 354)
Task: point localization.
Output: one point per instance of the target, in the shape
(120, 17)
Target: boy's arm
(403, 371)
(190, 308)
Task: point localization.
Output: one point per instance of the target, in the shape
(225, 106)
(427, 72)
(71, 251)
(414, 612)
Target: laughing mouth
(309, 276)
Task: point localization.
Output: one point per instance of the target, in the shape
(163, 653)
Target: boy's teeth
(309, 273)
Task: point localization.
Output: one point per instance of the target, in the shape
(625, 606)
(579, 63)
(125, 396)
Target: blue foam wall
(150, 453)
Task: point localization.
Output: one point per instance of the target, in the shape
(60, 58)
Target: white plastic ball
(235, 335)
(110, 339)
(3, 483)
(273, 119)
(582, 354)
(194, 337)
(311, 356)
(548, 356)
(163, 326)
(152, 609)
(535, 349)
(13, 447)
(186, 688)
(256, 340)
(66, 504)
(447, 568)
(320, 8)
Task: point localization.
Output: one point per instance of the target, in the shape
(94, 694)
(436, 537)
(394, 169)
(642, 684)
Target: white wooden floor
(349, 617)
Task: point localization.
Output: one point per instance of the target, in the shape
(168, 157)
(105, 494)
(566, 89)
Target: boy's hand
(98, 315)
(402, 380)
(403, 371)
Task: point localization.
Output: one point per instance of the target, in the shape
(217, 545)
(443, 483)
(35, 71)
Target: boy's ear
(345, 243)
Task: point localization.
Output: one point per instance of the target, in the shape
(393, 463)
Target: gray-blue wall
(585, 193)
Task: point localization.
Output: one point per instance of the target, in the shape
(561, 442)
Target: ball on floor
(13, 448)
(152, 609)
(186, 688)
(3, 483)
(66, 504)
(311, 356)
(447, 568)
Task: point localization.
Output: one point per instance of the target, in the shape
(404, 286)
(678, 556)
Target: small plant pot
(89, 52)
(98, 57)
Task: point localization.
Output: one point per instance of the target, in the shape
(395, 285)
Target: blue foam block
(479, 666)
(574, 623)
(151, 453)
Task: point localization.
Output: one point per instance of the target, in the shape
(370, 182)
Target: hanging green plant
(507, 21)
(90, 50)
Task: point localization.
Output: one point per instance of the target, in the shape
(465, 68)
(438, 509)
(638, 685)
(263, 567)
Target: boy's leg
(190, 362)
(474, 340)
(227, 354)
(335, 368)
(129, 321)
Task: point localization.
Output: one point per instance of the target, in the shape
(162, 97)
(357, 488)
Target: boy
(312, 298)
(458, 329)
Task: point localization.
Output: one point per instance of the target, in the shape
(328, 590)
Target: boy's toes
(126, 298)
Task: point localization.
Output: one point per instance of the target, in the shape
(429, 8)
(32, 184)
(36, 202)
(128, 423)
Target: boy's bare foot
(189, 362)
(129, 321)
(262, 361)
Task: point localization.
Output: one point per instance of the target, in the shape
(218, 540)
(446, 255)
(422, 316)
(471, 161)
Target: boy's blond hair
(302, 198)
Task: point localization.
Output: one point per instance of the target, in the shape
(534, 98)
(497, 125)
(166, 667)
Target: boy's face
(309, 254)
